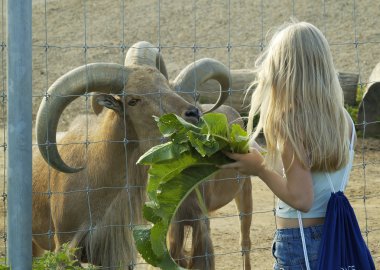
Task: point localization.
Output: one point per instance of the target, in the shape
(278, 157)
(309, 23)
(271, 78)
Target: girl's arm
(296, 189)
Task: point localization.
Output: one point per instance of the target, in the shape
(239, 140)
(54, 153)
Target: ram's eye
(133, 101)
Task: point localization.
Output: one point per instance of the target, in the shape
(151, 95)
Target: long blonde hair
(299, 99)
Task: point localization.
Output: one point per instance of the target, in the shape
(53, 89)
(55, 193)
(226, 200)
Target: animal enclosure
(72, 33)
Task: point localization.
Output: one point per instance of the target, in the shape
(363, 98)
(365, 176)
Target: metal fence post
(19, 134)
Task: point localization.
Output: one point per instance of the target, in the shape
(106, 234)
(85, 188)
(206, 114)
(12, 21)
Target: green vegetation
(353, 110)
(192, 154)
(64, 259)
(3, 265)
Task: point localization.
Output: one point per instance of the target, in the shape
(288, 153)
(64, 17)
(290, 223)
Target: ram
(92, 193)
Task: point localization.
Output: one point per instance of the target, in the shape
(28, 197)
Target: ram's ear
(96, 107)
(110, 102)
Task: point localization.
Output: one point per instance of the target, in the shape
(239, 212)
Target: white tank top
(322, 189)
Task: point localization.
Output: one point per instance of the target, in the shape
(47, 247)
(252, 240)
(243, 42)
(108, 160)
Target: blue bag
(342, 245)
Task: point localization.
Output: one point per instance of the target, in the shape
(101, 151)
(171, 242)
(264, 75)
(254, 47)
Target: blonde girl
(300, 105)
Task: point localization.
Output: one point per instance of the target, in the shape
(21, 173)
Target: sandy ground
(70, 33)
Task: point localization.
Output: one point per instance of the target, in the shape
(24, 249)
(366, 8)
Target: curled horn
(192, 76)
(88, 78)
(144, 53)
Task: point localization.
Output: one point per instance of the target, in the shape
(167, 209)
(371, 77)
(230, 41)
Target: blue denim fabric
(287, 248)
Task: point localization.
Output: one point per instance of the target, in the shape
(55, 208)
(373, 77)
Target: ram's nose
(192, 115)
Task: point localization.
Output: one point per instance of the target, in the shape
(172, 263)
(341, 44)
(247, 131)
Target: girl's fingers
(233, 165)
(231, 155)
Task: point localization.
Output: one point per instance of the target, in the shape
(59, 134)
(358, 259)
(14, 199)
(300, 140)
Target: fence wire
(67, 34)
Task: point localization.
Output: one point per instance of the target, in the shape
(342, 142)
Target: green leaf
(153, 249)
(176, 169)
(141, 234)
(215, 124)
(157, 239)
(174, 191)
(149, 211)
(162, 152)
(205, 145)
(173, 126)
(238, 139)
(163, 171)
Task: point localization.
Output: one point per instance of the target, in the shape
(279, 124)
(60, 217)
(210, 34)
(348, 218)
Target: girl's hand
(251, 163)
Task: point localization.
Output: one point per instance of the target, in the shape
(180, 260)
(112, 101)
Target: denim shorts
(287, 248)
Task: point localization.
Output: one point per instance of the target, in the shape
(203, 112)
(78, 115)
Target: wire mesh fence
(72, 33)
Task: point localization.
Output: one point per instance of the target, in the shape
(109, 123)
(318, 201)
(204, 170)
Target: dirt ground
(70, 33)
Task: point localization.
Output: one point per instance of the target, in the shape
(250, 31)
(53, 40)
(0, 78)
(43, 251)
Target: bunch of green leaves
(192, 154)
(63, 259)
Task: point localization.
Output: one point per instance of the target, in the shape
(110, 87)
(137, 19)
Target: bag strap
(303, 241)
(351, 159)
(342, 187)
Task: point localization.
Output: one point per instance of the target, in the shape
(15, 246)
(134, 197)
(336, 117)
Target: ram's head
(133, 93)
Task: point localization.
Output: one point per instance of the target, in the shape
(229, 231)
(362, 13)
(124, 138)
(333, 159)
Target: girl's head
(299, 98)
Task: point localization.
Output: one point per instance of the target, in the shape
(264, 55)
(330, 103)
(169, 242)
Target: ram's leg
(176, 238)
(36, 250)
(244, 205)
(203, 250)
